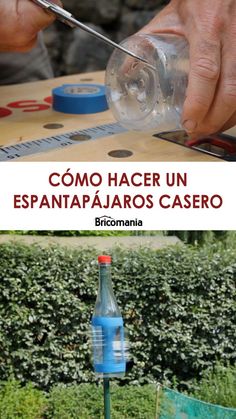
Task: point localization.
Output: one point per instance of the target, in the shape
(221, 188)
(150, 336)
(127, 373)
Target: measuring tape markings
(41, 145)
(69, 98)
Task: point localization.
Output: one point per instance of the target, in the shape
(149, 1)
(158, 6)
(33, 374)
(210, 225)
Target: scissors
(67, 18)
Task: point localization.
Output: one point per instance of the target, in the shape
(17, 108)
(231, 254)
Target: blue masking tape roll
(79, 98)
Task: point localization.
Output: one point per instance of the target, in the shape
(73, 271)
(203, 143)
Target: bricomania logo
(106, 221)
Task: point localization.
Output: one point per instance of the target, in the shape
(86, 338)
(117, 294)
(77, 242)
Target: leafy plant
(18, 402)
(75, 401)
(68, 233)
(86, 402)
(178, 305)
(218, 386)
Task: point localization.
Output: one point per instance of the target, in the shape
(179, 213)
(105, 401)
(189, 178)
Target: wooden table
(20, 124)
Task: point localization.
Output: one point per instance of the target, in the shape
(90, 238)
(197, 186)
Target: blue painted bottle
(109, 348)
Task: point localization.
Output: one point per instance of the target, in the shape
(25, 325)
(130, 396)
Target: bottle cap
(104, 259)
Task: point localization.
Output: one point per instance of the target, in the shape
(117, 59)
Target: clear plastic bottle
(149, 97)
(108, 337)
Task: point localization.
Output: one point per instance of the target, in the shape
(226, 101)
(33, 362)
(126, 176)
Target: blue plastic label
(108, 344)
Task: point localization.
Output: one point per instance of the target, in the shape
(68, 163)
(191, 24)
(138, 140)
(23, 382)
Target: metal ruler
(42, 145)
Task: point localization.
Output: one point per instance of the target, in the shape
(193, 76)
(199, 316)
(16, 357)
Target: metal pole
(106, 393)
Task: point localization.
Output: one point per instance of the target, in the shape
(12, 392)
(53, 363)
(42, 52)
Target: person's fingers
(210, 103)
(224, 105)
(20, 23)
(34, 16)
(230, 123)
(23, 47)
(205, 66)
(166, 21)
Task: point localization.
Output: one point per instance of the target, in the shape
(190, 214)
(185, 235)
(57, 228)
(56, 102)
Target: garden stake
(108, 335)
(106, 393)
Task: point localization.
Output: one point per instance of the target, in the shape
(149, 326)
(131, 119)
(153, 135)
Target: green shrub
(177, 303)
(69, 233)
(198, 237)
(18, 402)
(218, 386)
(86, 402)
(83, 401)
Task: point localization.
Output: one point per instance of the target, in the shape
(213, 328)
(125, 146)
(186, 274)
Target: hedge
(83, 401)
(68, 233)
(17, 402)
(217, 386)
(178, 305)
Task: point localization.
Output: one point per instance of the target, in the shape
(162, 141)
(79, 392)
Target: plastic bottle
(109, 347)
(149, 97)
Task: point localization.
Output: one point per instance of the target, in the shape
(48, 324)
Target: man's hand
(20, 21)
(210, 28)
